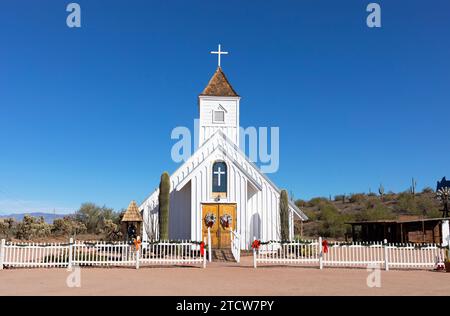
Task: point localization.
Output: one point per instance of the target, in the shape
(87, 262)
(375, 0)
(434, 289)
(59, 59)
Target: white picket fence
(97, 253)
(399, 256)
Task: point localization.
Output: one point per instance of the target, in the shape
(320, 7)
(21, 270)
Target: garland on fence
(94, 244)
(256, 243)
(40, 245)
(153, 242)
(326, 244)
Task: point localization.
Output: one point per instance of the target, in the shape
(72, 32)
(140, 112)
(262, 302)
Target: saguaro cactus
(284, 215)
(413, 187)
(164, 199)
(381, 191)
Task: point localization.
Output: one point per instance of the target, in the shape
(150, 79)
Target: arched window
(219, 183)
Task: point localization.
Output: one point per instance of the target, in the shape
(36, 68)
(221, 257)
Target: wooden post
(209, 244)
(386, 259)
(204, 254)
(320, 254)
(2, 253)
(70, 253)
(254, 254)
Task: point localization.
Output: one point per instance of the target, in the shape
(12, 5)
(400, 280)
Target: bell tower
(219, 107)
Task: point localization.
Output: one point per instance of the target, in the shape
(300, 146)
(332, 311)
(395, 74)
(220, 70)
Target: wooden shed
(427, 230)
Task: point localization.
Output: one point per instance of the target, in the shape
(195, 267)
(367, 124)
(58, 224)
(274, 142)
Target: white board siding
(180, 214)
(230, 126)
(262, 200)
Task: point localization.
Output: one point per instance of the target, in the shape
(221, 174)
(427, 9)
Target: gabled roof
(132, 214)
(219, 141)
(219, 86)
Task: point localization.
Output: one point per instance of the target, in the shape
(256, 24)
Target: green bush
(7, 227)
(375, 210)
(32, 227)
(427, 190)
(68, 226)
(357, 198)
(332, 221)
(94, 217)
(316, 201)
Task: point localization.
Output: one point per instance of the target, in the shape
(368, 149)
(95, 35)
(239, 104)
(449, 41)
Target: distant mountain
(48, 217)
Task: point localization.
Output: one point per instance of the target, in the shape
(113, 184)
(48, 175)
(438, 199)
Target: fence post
(204, 254)
(386, 259)
(320, 253)
(209, 244)
(254, 254)
(2, 253)
(70, 253)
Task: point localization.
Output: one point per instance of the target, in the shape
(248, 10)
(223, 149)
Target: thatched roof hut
(131, 222)
(132, 214)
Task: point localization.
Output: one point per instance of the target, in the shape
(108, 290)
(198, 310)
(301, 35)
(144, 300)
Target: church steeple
(219, 107)
(219, 86)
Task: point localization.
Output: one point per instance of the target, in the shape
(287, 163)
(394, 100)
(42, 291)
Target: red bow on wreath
(256, 244)
(325, 246)
(202, 248)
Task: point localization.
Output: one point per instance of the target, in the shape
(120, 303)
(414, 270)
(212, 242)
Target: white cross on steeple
(219, 172)
(219, 52)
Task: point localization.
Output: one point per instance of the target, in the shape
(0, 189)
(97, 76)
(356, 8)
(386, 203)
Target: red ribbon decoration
(202, 248)
(325, 246)
(256, 244)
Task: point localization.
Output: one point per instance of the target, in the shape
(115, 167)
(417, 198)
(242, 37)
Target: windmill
(443, 193)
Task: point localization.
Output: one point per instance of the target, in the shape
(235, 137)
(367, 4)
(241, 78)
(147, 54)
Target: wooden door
(224, 232)
(213, 209)
(220, 235)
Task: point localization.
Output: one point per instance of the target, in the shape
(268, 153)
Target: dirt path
(222, 279)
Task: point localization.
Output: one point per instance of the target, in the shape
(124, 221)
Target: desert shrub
(7, 227)
(357, 198)
(112, 231)
(94, 217)
(332, 222)
(339, 198)
(427, 190)
(68, 226)
(300, 203)
(31, 227)
(375, 210)
(417, 205)
(316, 201)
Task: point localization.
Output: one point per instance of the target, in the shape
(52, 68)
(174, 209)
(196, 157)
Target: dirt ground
(222, 279)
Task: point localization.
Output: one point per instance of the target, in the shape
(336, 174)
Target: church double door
(221, 218)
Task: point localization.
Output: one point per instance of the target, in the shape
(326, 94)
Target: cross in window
(219, 172)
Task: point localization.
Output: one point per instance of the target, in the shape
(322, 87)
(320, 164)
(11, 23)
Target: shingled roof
(219, 86)
(132, 214)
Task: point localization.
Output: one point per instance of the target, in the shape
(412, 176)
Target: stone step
(222, 255)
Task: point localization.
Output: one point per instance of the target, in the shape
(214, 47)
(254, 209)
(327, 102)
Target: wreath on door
(210, 219)
(226, 220)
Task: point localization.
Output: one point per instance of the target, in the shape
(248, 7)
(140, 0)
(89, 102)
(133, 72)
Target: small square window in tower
(219, 116)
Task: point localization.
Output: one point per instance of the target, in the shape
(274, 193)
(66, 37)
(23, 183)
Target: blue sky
(86, 114)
